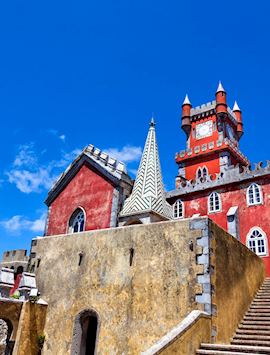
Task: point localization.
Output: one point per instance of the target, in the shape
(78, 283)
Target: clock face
(204, 129)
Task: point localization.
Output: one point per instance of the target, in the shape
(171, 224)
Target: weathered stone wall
(142, 281)
(3, 336)
(190, 341)
(236, 275)
(138, 301)
(10, 310)
(31, 326)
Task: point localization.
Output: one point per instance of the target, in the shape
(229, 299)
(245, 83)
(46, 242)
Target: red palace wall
(88, 190)
(249, 216)
(211, 162)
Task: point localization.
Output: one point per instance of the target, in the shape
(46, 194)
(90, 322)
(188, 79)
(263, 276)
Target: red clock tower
(213, 132)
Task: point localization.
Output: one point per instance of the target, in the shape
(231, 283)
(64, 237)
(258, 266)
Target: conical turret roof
(148, 193)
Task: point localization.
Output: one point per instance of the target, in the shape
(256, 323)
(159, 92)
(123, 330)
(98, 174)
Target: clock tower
(213, 131)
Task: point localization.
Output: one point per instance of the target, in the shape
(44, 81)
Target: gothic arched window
(77, 221)
(202, 172)
(254, 195)
(257, 241)
(178, 209)
(214, 202)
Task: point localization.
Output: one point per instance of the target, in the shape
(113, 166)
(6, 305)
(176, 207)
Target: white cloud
(30, 176)
(31, 181)
(17, 224)
(127, 154)
(55, 133)
(26, 156)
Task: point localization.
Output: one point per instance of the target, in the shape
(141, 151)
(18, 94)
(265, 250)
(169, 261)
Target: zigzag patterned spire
(148, 192)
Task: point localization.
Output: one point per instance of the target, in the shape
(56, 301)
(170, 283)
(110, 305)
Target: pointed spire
(148, 195)
(236, 107)
(220, 87)
(186, 101)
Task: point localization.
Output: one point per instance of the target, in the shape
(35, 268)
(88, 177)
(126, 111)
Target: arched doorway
(85, 333)
(6, 345)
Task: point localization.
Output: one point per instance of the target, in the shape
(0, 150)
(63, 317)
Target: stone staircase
(253, 333)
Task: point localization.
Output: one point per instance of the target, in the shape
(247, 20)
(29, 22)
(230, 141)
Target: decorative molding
(233, 174)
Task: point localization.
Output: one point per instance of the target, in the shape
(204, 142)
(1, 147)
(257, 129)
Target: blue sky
(75, 73)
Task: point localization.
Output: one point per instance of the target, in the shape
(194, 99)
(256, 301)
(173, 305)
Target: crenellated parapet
(233, 174)
(104, 160)
(207, 148)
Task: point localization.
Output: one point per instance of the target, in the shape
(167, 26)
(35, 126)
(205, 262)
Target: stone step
(257, 312)
(236, 348)
(257, 306)
(260, 303)
(252, 336)
(254, 327)
(256, 315)
(255, 331)
(259, 316)
(250, 342)
(225, 352)
(255, 323)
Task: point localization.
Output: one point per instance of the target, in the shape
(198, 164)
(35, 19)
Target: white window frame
(214, 209)
(176, 206)
(73, 218)
(256, 246)
(253, 187)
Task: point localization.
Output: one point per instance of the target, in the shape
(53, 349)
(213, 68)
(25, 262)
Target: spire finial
(186, 101)
(152, 122)
(235, 106)
(220, 87)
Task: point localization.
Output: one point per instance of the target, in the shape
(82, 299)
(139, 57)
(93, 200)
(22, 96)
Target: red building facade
(215, 179)
(88, 195)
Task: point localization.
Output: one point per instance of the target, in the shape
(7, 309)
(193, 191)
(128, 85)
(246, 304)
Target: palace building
(125, 267)
(215, 178)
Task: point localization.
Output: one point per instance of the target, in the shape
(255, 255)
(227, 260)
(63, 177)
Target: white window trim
(69, 227)
(183, 209)
(265, 240)
(260, 192)
(220, 203)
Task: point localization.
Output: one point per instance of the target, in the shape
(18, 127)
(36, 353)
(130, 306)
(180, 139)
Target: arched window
(85, 333)
(77, 221)
(257, 241)
(254, 195)
(202, 172)
(214, 202)
(178, 209)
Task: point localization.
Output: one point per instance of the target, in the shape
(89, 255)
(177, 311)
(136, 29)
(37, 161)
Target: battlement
(111, 165)
(207, 109)
(233, 174)
(15, 255)
(211, 146)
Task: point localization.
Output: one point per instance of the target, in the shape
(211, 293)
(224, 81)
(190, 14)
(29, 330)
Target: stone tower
(213, 131)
